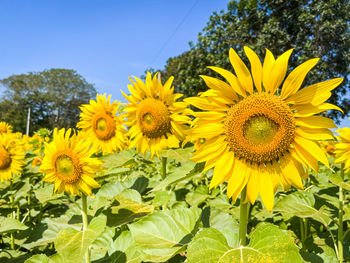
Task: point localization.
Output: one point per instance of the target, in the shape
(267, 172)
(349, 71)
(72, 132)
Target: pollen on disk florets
(153, 118)
(260, 128)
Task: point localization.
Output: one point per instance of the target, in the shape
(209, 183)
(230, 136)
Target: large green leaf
(226, 224)
(207, 246)
(180, 155)
(72, 244)
(123, 249)
(8, 224)
(117, 159)
(268, 243)
(40, 258)
(301, 204)
(337, 180)
(160, 235)
(46, 194)
(183, 172)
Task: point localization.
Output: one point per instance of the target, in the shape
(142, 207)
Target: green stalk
(243, 218)
(85, 223)
(164, 159)
(12, 243)
(340, 215)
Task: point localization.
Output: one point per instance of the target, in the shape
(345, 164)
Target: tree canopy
(316, 28)
(54, 97)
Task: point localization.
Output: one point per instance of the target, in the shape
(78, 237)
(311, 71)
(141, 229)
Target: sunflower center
(153, 118)
(260, 128)
(5, 159)
(67, 168)
(104, 126)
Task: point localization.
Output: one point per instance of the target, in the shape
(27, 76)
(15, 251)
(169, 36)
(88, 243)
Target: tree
(316, 28)
(54, 97)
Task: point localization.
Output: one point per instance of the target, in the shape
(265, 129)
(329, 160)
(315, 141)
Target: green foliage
(54, 97)
(313, 29)
(136, 216)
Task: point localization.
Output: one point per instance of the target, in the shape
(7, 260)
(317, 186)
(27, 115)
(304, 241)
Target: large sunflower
(259, 127)
(103, 128)
(156, 119)
(5, 127)
(11, 156)
(342, 149)
(68, 164)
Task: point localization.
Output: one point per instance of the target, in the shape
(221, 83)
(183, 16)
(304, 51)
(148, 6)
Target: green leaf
(180, 155)
(301, 204)
(117, 159)
(274, 243)
(160, 235)
(337, 180)
(183, 172)
(127, 209)
(124, 246)
(9, 225)
(226, 224)
(40, 258)
(207, 246)
(325, 254)
(46, 194)
(72, 244)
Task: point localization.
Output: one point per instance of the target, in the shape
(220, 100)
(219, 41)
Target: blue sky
(103, 40)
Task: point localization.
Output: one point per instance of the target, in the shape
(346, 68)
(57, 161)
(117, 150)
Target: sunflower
(157, 120)
(68, 164)
(342, 149)
(259, 128)
(5, 127)
(328, 147)
(11, 157)
(103, 128)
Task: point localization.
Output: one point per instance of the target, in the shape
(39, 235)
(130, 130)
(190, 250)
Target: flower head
(259, 128)
(11, 156)
(101, 124)
(156, 119)
(5, 127)
(342, 148)
(68, 164)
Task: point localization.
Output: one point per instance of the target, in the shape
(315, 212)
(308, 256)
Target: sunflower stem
(12, 214)
(243, 218)
(340, 216)
(164, 159)
(85, 223)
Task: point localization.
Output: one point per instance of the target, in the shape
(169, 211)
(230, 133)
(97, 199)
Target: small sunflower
(68, 164)
(156, 119)
(5, 127)
(259, 128)
(11, 157)
(102, 126)
(342, 148)
(328, 147)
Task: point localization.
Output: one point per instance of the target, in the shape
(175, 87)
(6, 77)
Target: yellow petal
(222, 169)
(296, 78)
(255, 66)
(231, 79)
(315, 134)
(253, 184)
(279, 70)
(315, 122)
(290, 171)
(242, 72)
(306, 110)
(316, 93)
(266, 189)
(268, 63)
(313, 149)
(306, 157)
(220, 86)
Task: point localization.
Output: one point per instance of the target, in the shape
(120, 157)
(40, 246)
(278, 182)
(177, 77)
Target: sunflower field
(248, 171)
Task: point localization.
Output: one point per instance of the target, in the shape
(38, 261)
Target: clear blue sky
(103, 40)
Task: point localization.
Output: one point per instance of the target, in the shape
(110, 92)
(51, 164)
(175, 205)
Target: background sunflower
(103, 128)
(68, 164)
(156, 119)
